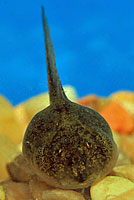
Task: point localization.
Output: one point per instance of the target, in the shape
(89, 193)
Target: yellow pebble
(111, 187)
(117, 139)
(2, 193)
(38, 103)
(8, 150)
(121, 96)
(126, 171)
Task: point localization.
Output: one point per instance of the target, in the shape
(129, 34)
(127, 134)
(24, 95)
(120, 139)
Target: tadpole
(68, 145)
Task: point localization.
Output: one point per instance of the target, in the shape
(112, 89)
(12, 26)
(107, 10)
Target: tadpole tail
(56, 92)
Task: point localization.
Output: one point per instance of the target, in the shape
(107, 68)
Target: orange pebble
(118, 118)
(89, 101)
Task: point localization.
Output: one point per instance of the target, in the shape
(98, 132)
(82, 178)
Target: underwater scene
(66, 100)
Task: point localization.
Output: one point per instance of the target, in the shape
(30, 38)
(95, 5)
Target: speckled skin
(68, 145)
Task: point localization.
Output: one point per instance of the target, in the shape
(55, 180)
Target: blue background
(93, 42)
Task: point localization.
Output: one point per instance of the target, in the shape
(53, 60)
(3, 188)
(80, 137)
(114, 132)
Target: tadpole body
(68, 145)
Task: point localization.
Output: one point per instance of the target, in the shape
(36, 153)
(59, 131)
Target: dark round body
(69, 146)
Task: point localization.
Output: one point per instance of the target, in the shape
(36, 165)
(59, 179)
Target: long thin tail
(56, 92)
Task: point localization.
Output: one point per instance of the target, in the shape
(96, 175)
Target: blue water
(93, 42)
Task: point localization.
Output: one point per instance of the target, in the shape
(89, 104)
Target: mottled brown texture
(68, 145)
